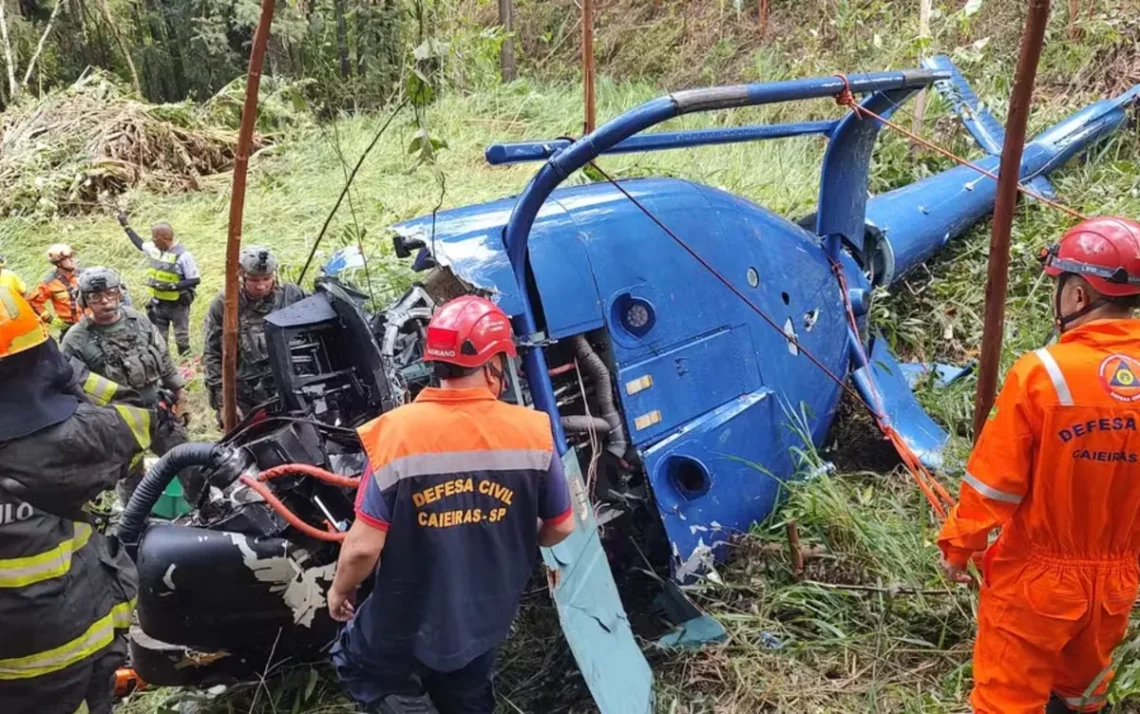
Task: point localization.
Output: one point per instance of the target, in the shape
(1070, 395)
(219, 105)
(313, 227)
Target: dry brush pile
(74, 150)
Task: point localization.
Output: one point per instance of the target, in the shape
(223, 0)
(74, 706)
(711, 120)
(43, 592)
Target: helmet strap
(494, 372)
(1062, 322)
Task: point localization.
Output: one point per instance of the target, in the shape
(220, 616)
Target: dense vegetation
(871, 626)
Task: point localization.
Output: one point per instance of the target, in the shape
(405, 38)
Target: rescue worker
(66, 591)
(9, 280)
(119, 344)
(1057, 468)
(260, 295)
(171, 279)
(60, 288)
(456, 486)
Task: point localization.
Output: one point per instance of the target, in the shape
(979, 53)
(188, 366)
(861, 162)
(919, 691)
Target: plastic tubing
(293, 519)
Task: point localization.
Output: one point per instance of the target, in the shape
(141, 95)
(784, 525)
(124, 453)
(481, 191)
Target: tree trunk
(341, 37)
(174, 49)
(1072, 32)
(507, 51)
(13, 88)
(122, 46)
(925, 9)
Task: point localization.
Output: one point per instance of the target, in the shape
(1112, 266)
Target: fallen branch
(796, 551)
(110, 20)
(43, 38)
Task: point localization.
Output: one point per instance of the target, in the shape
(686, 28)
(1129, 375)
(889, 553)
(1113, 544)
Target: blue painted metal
(982, 125)
(729, 397)
(986, 130)
(846, 173)
(884, 385)
(500, 154)
(944, 374)
(597, 630)
(914, 222)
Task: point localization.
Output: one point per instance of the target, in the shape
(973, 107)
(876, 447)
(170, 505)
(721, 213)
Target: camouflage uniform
(254, 378)
(130, 352)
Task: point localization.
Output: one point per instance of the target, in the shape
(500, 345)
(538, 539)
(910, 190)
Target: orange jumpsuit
(1058, 469)
(62, 291)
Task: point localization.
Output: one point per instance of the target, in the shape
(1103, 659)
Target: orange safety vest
(62, 291)
(1058, 463)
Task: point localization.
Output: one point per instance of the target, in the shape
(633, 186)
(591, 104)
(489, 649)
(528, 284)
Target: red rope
(936, 494)
(846, 99)
(939, 499)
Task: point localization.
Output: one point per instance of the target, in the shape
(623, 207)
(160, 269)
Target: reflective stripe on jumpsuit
(1057, 469)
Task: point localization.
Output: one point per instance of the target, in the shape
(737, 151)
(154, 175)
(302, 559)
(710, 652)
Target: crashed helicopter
(676, 334)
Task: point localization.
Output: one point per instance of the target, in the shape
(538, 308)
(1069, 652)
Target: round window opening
(753, 277)
(688, 475)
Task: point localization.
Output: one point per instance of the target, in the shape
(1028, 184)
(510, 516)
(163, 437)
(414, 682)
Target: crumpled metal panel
(886, 384)
(592, 615)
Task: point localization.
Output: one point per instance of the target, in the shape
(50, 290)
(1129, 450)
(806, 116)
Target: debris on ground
(74, 150)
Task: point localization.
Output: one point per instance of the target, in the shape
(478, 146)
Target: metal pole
(237, 204)
(588, 61)
(1006, 204)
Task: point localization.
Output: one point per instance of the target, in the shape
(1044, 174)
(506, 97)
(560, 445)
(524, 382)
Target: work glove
(122, 218)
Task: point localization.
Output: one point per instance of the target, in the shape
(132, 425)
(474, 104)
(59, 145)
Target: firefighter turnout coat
(1057, 467)
(61, 291)
(66, 592)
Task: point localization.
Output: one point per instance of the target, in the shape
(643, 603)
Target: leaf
(419, 89)
(311, 685)
(428, 49)
(972, 7)
(980, 44)
(877, 41)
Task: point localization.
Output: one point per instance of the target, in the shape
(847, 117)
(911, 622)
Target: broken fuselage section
(664, 325)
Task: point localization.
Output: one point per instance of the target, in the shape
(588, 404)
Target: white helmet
(59, 252)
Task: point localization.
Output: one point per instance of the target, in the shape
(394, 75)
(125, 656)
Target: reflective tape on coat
(100, 389)
(425, 464)
(98, 636)
(139, 422)
(21, 572)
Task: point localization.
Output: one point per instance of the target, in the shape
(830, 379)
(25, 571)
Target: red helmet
(468, 331)
(1104, 251)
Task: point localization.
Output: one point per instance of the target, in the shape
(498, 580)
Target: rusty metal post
(588, 62)
(1006, 204)
(237, 205)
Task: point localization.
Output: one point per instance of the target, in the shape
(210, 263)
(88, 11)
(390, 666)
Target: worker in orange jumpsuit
(60, 288)
(1057, 468)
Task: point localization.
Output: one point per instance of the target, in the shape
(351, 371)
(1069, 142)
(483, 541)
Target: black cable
(347, 186)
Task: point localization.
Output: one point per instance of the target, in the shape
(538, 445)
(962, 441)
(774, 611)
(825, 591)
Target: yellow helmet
(59, 251)
(20, 327)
